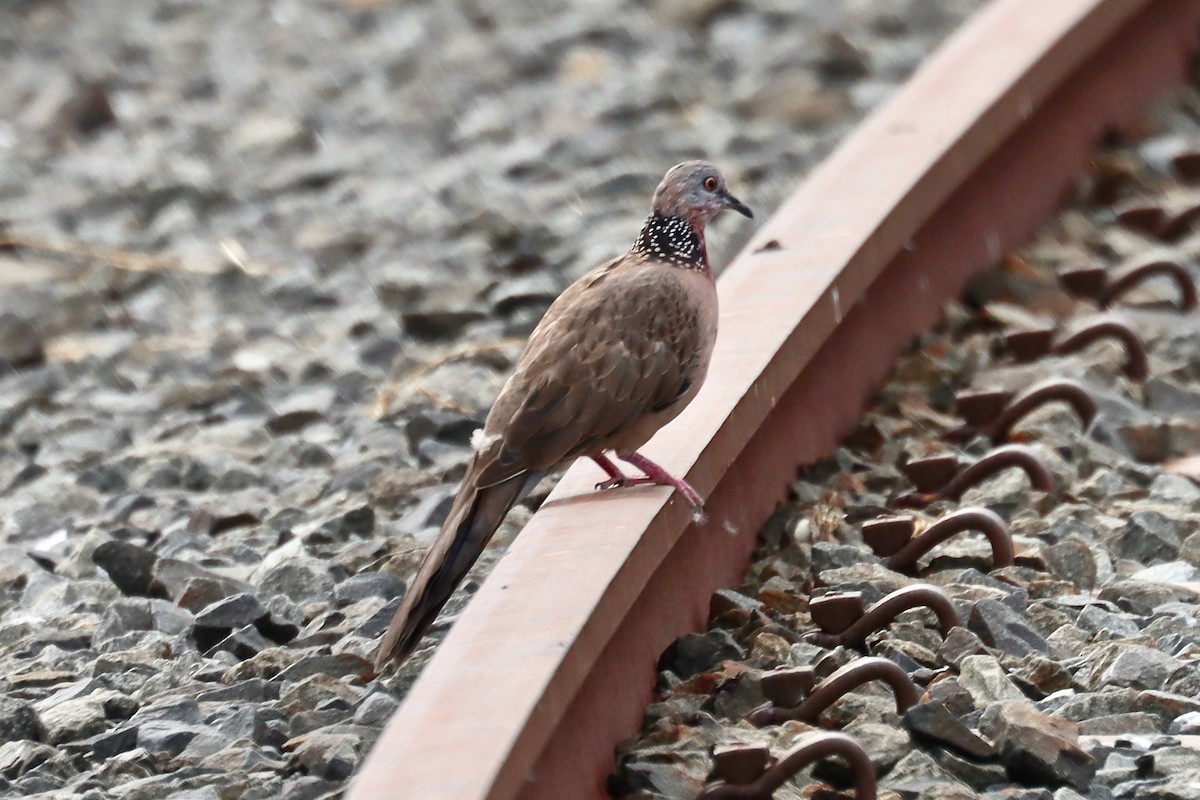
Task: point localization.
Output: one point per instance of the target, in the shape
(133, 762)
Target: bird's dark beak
(738, 206)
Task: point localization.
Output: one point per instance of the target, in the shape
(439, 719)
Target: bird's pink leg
(615, 476)
(659, 477)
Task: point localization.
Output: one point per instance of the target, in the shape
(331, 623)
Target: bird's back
(628, 340)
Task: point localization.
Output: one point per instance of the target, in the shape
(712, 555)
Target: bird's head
(696, 191)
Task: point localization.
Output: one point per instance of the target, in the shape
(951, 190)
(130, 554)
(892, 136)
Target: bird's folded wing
(605, 355)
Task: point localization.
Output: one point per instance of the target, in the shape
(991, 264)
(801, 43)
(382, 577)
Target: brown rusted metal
(1052, 391)
(836, 611)
(1096, 283)
(566, 630)
(980, 407)
(888, 535)
(932, 472)
(887, 609)
(1187, 165)
(1137, 366)
(1089, 281)
(1142, 217)
(992, 462)
(997, 460)
(812, 747)
(1027, 345)
(830, 690)
(740, 764)
(789, 686)
(972, 518)
(1179, 224)
(1030, 344)
(1134, 276)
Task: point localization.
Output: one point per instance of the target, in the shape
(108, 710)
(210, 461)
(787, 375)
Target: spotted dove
(618, 355)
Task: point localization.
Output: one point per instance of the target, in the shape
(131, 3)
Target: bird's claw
(689, 495)
(621, 481)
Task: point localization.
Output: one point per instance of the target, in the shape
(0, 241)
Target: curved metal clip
(739, 784)
(827, 692)
(883, 612)
(974, 518)
(994, 461)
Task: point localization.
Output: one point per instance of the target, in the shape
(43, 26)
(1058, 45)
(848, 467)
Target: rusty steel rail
(554, 658)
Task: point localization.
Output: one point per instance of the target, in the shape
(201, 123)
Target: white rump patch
(481, 441)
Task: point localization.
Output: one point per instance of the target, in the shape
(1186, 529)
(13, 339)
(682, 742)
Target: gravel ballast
(263, 268)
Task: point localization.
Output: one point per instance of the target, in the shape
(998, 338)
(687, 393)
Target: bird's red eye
(711, 183)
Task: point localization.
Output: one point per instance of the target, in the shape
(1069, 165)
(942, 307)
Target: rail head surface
(585, 588)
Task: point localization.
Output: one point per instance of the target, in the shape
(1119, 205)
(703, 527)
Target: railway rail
(957, 168)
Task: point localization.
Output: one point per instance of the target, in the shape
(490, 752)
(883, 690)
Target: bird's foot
(616, 478)
(621, 481)
(660, 477)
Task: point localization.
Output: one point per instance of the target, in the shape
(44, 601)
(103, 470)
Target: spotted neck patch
(672, 240)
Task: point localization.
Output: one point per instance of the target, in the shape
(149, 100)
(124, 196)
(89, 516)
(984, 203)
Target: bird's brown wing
(621, 342)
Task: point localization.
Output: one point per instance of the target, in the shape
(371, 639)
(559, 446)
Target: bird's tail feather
(474, 517)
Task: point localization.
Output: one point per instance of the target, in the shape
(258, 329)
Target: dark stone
(438, 325)
(23, 756)
(978, 775)
(167, 736)
(828, 555)
(236, 479)
(933, 722)
(380, 351)
(244, 643)
(378, 622)
(917, 776)
(951, 695)
(235, 611)
(124, 617)
(250, 690)
(338, 666)
(1041, 674)
(103, 479)
(216, 523)
(375, 709)
(278, 631)
(1137, 722)
(908, 656)
(1037, 748)
(694, 653)
(1018, 793)
(194, 587)
(196, 476)
(368, 584)
(1001, 627)
(1142, 597)
(119, 706)
(1072, 560)
(959, 643)
(130, 567)
(18, 721)
(264, 726)
(1148, 537)
(308, 721)
(104, 746)
(358, 521)
(328, 752)
(301, 579)
(293, 421)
